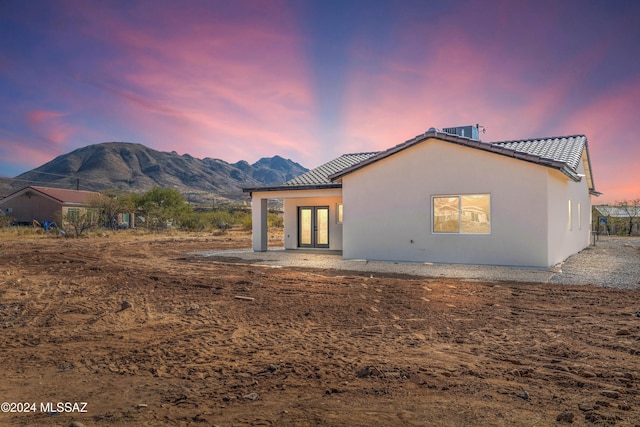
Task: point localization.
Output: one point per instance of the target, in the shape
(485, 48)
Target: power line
(60, 175)
(93, 185)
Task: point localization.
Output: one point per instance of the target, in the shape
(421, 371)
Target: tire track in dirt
(309, 349)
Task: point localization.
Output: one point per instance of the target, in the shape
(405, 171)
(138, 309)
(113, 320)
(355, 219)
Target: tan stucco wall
(27, 208)
(387, 208)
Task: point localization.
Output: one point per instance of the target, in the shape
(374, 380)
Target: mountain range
(136, 168)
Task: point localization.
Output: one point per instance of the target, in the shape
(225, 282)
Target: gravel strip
(613, 262)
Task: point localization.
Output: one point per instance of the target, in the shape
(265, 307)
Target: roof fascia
(293, 187)
(21, 191)
(17, 193)
(592, 190)
(44, 194)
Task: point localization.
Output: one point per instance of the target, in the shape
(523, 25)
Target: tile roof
(565, 149)
(563, 153)
(320, 175)
(618, 211)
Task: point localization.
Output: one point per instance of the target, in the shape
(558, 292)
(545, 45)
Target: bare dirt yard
(131, 330)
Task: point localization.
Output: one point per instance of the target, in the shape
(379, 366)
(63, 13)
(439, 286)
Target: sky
(311, 80)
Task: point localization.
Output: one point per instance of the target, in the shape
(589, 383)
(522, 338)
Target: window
(73, 214)
(570, 224)
(467, 214)
(579, 217)
(339, 213)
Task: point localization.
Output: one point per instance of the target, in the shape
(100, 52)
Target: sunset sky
(310, 80)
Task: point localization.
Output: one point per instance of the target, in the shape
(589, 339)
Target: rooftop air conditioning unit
(470, 132)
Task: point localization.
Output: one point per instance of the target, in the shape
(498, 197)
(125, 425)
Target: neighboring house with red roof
(35, 203)
(442, 197)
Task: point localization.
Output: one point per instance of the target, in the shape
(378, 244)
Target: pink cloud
(488, 70)
(456, 84)
(50, 125)
(222, 88)
(606, 120)
(449, 87)
(22, 152)
(459, 84)
(234, 80)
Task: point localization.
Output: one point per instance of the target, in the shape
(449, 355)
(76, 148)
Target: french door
(313, 227)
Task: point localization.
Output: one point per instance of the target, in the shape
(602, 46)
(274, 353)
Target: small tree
(110, 205)
(632, 209)
(79, 220)
(161, 206)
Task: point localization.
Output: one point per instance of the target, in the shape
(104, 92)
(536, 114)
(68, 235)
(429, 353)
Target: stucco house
(442, 197)
(622, 219)
(49, 204)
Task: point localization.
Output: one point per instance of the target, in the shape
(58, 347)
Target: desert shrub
(23, 232)
(241, 217)
(216, 220)
(5, 221)
(247, 223)
(29, 231)
(190, 223)
(275, 220)
(77, 221)
(222, 219)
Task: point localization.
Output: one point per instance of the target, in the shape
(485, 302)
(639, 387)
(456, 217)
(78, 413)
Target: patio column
(259, 223)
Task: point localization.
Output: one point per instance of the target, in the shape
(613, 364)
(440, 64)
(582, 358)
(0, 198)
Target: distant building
(44, 204)
(617, 219)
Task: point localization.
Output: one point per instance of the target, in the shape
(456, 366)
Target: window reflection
(445, 214)
(462, 214)
(305, 226)
(322, 224)
(475, 214)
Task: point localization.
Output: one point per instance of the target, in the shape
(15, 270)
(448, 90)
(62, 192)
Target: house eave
(292, 187)
(570, 173)
(467, 142)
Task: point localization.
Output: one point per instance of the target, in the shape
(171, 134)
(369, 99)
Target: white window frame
(339, 213)
(459, 197)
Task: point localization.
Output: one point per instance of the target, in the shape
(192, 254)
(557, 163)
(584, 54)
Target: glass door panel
(306, 227)
(322, 226)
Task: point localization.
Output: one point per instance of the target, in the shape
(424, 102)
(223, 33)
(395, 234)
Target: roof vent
(470, 132)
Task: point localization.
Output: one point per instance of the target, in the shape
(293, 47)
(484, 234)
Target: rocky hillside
(135, 167)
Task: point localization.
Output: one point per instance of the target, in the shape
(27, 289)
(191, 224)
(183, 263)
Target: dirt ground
(145, 334)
